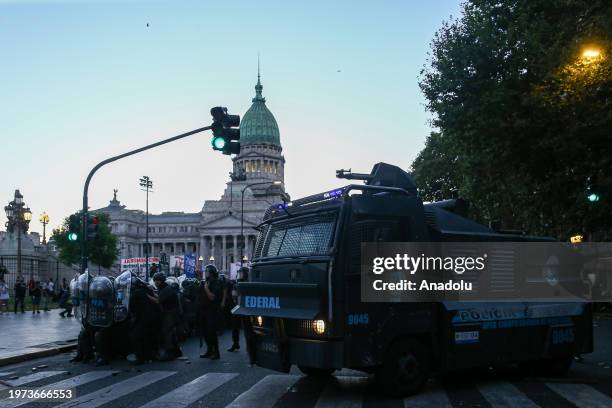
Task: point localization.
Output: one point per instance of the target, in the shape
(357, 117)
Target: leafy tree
(102, 250)
(524, 118)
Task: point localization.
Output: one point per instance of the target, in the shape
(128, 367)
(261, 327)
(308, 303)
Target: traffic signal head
(225, 138)
(92, 227)
(72, 236)
(593, 197)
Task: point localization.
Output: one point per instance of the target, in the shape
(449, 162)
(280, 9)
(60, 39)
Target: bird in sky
(147, 24)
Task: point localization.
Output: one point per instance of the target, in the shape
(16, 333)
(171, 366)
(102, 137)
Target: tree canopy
(521, 98)
(102, 249)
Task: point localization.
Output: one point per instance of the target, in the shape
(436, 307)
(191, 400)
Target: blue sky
(85, 80)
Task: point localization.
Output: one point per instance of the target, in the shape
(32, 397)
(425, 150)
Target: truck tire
(316, 372)
(547, 367)
(405, 368)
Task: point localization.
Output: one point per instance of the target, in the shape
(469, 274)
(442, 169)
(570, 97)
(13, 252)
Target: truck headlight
(319, 326)
(260, 321)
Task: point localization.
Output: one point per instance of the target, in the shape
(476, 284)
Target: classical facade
(215, 232)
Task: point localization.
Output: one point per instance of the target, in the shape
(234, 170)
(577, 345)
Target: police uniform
(145, 325)
(168, 301)
(211, 310)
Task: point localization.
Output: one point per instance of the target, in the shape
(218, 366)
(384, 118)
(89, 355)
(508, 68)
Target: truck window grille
(260, 241)
(300, 238)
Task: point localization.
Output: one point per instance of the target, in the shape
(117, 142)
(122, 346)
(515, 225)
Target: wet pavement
(25, 333)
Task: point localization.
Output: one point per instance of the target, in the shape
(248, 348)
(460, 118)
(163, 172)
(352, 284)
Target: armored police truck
(304, 294)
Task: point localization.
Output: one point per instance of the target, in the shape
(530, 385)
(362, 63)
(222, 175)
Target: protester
(51, 290)
(64, 283)
(44, 292)
(20, 292)
(35, 293)
(64, 302)
(4, 297)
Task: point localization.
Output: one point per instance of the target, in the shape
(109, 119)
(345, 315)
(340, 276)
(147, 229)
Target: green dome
(258, 124)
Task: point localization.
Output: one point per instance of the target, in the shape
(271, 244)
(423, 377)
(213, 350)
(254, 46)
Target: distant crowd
(40, 295)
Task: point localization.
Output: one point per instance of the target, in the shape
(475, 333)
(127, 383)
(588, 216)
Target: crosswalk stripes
(116, 391)
(429, 398)
(265, 392)
(342, 393)
(581, 395)
(32, 378)
(69, 383)
(192, 391)
(5, 374)
(503, 394)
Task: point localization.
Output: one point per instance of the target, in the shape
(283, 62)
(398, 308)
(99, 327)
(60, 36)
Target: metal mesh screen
(309, 237)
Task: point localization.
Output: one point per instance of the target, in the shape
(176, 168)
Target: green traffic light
(72, 236)
(593, 197)
(218, 143)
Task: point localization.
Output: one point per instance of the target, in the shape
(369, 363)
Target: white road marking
(69, 383)
(503, 394)
(192, 391)
(428, 398)
(32, 378)
(581, 395)
(265, 392)
(115, 391)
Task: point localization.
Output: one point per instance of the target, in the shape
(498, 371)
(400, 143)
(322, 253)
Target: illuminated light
(72, 236)
(218, 143)
(260, 321)
(591, 53)
(593, 197)
(333, 193)
(319, 326)
(576, 239)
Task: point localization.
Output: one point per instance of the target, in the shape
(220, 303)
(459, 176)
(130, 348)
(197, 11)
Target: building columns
(224, 252)
(236, 248)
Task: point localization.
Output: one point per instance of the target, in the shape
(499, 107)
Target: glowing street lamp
(591, 53)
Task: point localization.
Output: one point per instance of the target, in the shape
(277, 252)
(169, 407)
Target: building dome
(258, 124)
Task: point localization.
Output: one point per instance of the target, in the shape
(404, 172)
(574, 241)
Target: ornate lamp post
(19, 217)
(44, 220)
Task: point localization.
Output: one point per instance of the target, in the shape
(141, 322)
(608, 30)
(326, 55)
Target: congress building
(215, 231)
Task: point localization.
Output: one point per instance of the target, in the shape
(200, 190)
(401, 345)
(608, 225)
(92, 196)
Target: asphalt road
(195, 382)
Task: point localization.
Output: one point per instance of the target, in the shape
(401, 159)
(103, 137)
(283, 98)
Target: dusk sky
(86, 80)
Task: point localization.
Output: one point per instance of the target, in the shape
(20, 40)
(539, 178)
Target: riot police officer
(232, 299)
(168, 301)
(145, 322)
(212, 294)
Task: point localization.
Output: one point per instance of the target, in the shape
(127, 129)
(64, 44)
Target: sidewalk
(24, 336)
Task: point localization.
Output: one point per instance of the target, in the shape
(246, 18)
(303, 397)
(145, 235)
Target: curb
(38, 354)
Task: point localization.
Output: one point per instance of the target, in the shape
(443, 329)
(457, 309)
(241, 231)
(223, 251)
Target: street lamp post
(275, 183)
(44, 220)
(147, 184)
(19, 217)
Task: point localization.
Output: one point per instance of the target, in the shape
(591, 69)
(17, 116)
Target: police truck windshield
(299, 237)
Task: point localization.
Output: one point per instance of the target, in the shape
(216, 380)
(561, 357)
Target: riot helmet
(172, 282)
(210, 271)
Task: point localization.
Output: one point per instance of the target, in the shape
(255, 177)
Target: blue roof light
(333, 193)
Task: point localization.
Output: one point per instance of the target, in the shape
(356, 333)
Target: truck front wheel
(316, 372)
(405, 368)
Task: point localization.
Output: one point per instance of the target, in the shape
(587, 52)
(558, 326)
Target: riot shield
(82, 289)
(123, 285)
(101, 302)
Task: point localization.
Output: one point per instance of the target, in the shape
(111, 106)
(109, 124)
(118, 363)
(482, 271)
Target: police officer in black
(168, 301)
(145, 319)
(232, 298)
(212, 294)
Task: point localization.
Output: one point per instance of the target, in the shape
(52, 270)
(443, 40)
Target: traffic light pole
(84, 258)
